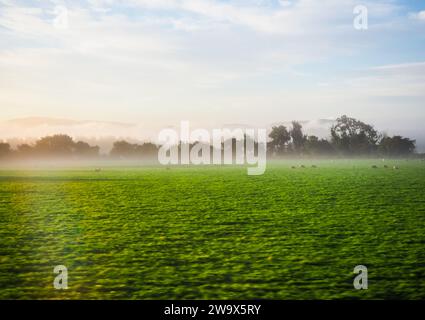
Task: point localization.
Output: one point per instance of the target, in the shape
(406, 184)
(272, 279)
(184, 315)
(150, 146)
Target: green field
(214, 232)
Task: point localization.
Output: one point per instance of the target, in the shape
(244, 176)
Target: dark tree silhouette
(24, 150)
(124, 149)
(316, 146)
(353, 137)
(147, 150)
(83, 149)
(5, 150)
(298, 137)
(396, 146)
(57, 145)
(279, 139)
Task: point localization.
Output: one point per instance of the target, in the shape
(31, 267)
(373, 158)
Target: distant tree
(279, 139)
(396, 146)
(351, 136)
(122, 149)
(316, 146)
(298, 137)
(56, 145)
(24, 150)
(5, 150)
(147, 150)
(83, 149)
(59, 145)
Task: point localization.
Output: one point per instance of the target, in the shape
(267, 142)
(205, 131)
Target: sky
(213, 62)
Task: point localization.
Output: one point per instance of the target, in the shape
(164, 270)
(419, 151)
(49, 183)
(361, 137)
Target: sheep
(396, 168)
(302, 166)
(293, 167)
(374, 167)
(385, 166)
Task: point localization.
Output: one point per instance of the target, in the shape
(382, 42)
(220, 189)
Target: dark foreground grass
(214, 232)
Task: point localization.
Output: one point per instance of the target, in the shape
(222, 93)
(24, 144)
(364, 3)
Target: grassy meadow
(205, 232)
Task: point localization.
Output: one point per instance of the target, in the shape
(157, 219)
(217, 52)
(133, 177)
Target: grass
(214, 232)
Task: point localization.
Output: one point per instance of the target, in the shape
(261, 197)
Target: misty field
(214, 232)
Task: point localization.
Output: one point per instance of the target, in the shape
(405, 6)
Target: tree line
(349, 137)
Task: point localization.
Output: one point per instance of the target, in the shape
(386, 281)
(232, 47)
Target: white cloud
(291, 17)
(204, 59)
(397, 80)
(418, 15)
(409, 67)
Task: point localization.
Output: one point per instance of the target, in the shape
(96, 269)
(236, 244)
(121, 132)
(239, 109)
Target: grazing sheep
(385, 166)
(374, 167)
(396, 168)
(293, 167)
(302, 166)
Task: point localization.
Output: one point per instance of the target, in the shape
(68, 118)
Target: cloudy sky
(213, 62)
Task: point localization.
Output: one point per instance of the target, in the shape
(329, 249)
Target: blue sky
(213, 62)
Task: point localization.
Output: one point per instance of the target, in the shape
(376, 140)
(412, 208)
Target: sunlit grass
(214, 232)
